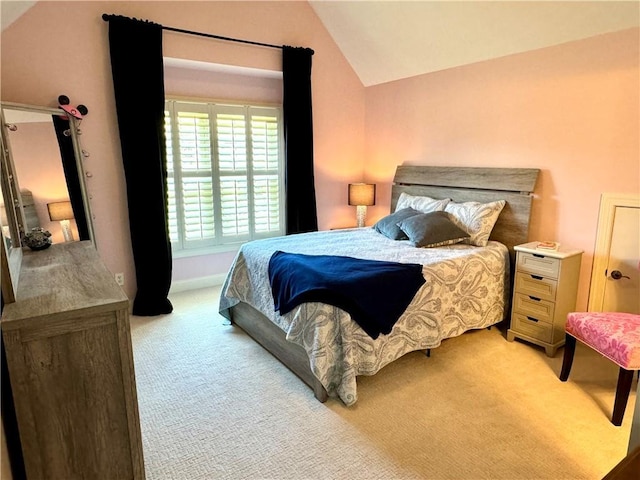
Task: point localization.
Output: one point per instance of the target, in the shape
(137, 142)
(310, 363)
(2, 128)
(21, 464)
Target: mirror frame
(11, 259)
(11, 256)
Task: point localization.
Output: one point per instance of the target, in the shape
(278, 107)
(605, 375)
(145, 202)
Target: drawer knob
(536, 277)
(534, 298)
(532, 319)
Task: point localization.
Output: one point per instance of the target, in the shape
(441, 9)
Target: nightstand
(544, 292)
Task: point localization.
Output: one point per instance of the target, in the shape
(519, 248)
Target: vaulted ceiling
(389, 40)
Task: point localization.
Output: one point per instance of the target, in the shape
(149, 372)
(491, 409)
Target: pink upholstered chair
(616, 336)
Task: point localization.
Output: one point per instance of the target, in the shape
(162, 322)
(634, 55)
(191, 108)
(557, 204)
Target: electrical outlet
(120, 279)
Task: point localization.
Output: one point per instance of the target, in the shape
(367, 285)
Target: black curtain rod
(107, 17)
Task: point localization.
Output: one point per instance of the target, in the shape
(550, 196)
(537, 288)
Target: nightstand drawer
(538, 264)
(531, 306)
(536, 285)
(532, 327)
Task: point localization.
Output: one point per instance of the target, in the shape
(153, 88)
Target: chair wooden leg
(625, 377)
(567, 360)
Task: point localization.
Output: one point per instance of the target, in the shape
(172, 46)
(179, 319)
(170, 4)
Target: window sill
(196, 252)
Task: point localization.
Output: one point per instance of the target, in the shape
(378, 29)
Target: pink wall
(62, 47)
(570, 110)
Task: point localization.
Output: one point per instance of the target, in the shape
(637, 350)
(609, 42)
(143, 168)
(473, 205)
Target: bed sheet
(466, 288)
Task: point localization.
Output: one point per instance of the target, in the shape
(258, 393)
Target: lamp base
(361, 214)
(66, 230)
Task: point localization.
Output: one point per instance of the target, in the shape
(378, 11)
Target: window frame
(222, 243)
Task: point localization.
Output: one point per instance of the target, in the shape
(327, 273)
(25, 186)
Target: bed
(467, 287)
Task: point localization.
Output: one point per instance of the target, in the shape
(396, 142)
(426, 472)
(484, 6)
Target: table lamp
(62, 212)
(362, 195)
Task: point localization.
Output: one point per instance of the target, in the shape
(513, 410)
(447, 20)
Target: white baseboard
(195, 283)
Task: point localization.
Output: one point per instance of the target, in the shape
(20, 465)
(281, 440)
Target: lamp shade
(362, 194)
(60, 211)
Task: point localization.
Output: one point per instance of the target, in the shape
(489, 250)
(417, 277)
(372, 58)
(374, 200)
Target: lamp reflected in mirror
(63, 213)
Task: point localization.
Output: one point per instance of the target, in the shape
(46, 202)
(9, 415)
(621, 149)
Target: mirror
(44, 149)
(42, 180)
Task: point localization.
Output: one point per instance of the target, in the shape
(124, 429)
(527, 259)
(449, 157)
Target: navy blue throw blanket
(375, 293)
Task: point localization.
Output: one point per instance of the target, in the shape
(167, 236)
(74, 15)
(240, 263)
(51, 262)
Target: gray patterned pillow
(422, 204)
(388, 226)
(433, 229)
(477, 219)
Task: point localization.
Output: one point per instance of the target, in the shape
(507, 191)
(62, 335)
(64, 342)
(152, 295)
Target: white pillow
(422, 204)
(477, 219)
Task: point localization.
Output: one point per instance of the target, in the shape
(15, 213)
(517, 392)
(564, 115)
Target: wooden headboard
(466, 184)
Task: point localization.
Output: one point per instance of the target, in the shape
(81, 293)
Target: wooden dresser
(68, 348)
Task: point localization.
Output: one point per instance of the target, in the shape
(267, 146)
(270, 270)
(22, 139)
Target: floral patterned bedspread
(466, 288)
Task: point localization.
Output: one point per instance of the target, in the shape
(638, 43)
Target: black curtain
(298, 137)
(71, 175)
(138, 83)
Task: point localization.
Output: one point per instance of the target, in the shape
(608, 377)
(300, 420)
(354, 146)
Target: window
(225, 174)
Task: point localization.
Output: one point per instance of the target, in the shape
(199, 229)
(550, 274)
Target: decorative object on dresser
(615, 335)
(68, 350)
(546, 285)
(362, 195)
(37, 239)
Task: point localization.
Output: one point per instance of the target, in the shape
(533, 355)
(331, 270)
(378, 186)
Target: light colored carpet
(215, 405)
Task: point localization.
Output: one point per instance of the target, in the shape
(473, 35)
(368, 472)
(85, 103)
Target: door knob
(617, 275)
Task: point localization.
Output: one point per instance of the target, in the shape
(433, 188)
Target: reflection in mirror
(46, 154)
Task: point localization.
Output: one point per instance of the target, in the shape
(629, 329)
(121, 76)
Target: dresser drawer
(530, 306)
(530, 326)
(536, 285)
(538, 264)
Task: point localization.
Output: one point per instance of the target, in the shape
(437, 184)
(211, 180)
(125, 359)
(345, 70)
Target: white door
(622, 288)
(615, 279)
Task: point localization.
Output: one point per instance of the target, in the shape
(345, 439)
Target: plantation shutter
(231, 135)
(266, 172)
(171, 187)
(225, 174)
